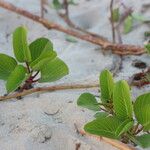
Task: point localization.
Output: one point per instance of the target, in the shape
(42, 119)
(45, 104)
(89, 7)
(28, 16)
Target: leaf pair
(89, 101)
(11, 72)
(109, 127)
(38, 57)
(45, 60)
(118, 93)
(128, 22)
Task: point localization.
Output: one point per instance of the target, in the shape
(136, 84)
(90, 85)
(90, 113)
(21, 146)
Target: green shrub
(36, 58)
(117, 116)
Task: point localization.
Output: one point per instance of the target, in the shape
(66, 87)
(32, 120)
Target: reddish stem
(28, 68)
(35, 75)
(33, 81)
(139, 130)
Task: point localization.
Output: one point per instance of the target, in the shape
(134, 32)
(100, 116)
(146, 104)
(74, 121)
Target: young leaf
(53, 70)
(20, 45)
(139, 17)
(147, 34)
(106, 127)
(45, 57)
(101, 115)
(115, 15)
(128, 24)
(148, 48)
(106, 86)
(57, 4)
(142, 110)
(7, 65)
(16, 78)
(88, 101)
(39, 46)
(71, 39)
(122, 100)
(143, 140)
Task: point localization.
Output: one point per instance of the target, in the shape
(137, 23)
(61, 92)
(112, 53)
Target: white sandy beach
(46, 121)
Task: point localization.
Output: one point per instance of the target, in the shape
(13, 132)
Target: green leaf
(45, 57)
(122, 100)
(106, 86)
(128, 23)
(57, 4)
(147, 34)
(88, 101)
(16, 78)
(125, 126)
(41, 52)
(142, 110)
(20, 45)
(148, 48)
(72, 2)
(39, 46)
(53, 70)
(7, 65)
(101, 115)
(115, 15)
(107, 127)
(71, 39)
(143, 140)
(139, 17)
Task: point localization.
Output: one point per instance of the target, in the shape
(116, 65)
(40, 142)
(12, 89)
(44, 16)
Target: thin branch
(117, 65)
(66, 5)
(42, 8)
(105, 104)
(67, 19)
(128, 11)
(28, 68)
(139, 130)
(104, 110)
(65, 16)
(75, 27)
(50, 88)
(119, 35)
(135, 128)
(35, 75)
(112, 142)
(121, 49)
(112, 22)
(33, 81)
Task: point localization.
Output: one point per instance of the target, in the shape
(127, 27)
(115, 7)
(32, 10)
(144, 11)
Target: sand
(46, 121)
